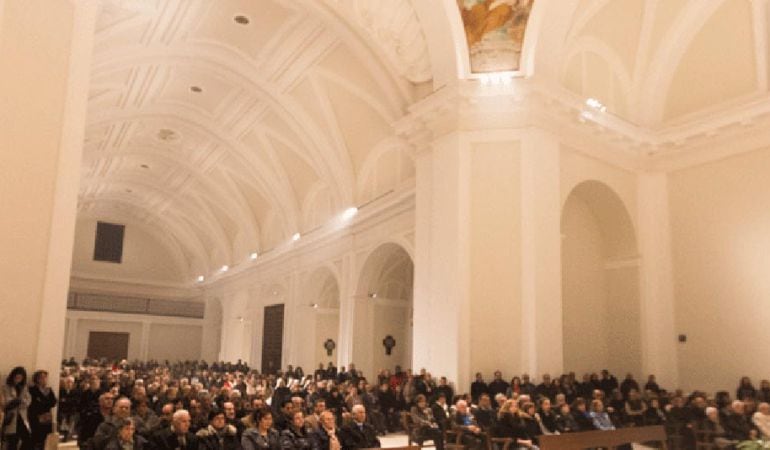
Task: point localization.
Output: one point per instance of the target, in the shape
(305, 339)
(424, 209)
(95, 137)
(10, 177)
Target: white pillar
(542, 345)
(347, 310)
(442, 260)
(45, 63)
(144, 341)
(659, 354)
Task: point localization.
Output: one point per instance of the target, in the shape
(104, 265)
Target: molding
(100, 284)
(469, 106)
(141, 318)
(293, 256)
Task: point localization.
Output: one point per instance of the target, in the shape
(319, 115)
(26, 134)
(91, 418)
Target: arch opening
(324, 294)
(383, 311)
(600, 283)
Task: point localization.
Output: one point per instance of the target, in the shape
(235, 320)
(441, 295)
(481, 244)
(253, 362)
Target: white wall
(720, 222)
(327, 326)
(146, 258)
(174, 342)
(150, 337)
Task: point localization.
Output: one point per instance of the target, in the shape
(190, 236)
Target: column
(542, 344)
(347, 310)
(442, 266)
(659, 355)
(144, 341)
(45, 54)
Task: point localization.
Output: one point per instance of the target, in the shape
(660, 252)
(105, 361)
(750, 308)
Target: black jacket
(209, 439)
(294, 439)
(166, 439)
(359, 436)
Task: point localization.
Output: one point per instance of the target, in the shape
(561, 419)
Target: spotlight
(372, 295)
(314, 305)
(253, 256)
(225, 268)
(201, 278)
(596, 104)
(350, 213)
(296, 237)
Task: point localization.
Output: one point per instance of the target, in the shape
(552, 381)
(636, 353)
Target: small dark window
(109, 242)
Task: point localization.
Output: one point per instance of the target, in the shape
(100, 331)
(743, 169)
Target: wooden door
(272, 339)
(113, 346)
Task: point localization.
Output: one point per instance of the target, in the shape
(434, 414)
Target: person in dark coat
(478, 387)
(264, 436)
(218, 435)
(498, 385)
(580, 414)
(359, 434)
(328, 436)
(126, 437)
(39, 413)
(510, 424)
(69, 399)
(426, 428)
(177, 436)
(297, 436)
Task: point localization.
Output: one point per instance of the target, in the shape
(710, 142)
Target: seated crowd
(223, 406)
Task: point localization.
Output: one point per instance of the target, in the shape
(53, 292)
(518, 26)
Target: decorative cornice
(95, 284)
(470, 105)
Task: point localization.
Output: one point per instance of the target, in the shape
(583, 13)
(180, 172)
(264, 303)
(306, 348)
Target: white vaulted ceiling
(225, 138)
(663, 63)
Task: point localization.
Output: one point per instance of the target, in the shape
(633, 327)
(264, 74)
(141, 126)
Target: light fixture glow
(253, 256)
(596, 104)
(496, 78)
(201, 278)
(314, 305)
(296, 237)
(225, 268)
(350, 213)
(373, 295)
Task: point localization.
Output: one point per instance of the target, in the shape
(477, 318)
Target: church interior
(462, 186)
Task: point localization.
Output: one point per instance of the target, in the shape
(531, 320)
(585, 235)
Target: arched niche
(383, 307)
(600, 282)
(323, 293)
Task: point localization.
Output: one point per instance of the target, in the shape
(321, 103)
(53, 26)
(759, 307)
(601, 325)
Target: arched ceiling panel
(721, 58)
(618, 24)
(218, 120)
(361, 125)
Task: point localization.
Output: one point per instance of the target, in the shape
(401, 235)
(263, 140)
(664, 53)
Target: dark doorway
(272, 339)
(113, 346)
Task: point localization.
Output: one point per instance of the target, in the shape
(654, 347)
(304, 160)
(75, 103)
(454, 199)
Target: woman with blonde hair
(510, 424)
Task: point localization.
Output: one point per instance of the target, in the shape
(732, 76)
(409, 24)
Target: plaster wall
(720, 218)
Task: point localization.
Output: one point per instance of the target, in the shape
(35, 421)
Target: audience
(225, 406)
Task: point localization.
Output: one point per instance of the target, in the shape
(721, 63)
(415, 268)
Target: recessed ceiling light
(315, 305)
(241, 19)
(296, 237)
(165, 134)
(253, 256)
(225, 268)
(196, 89)
(201, 278)
(144, 166)
(349, 213)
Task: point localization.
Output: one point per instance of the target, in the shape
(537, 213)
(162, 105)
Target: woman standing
(17, 399)
(42, 401)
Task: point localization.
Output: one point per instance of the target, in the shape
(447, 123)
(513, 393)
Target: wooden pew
(606, 439)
